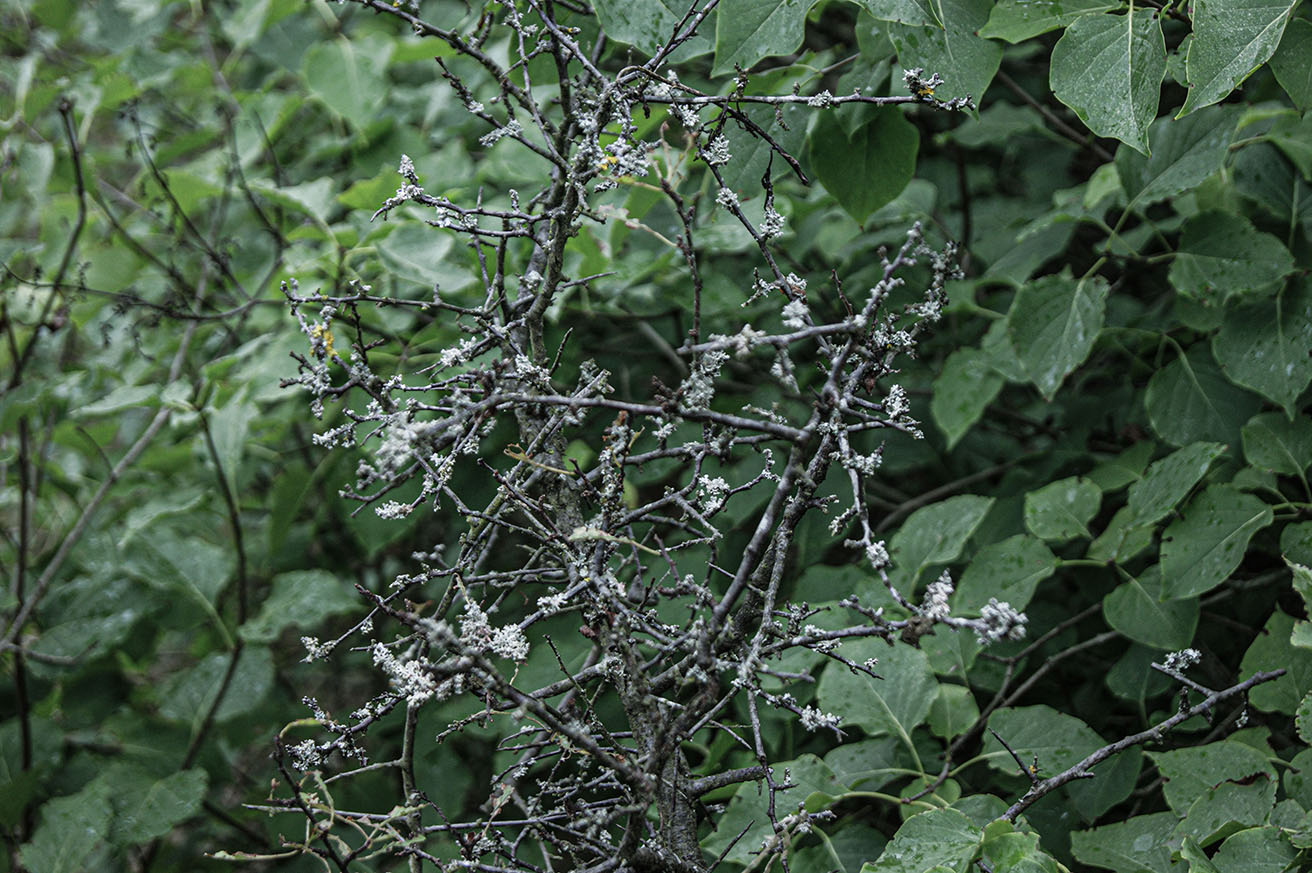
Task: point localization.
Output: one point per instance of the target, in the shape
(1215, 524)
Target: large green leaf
(1169, 479)
(894, 704)
(1009, 571)
(1108, 69)
(1272, 650)
(749, 810)
(1057, 739)
(1232, 38)
(1256, 850)
(1204, 546)
(347, 75)
(1190, 400)
(1184, 153)
(1061, 510)
(188, 694)
(1142, 842)
(1266, 345)
(69, 830)
(1052, 325)
(1292, 63)
(1133, 608)
(147, 807)
(1273, 442)
(939, 838)
(1191, 772)
(1221, 256)
(748, 30)
(914, 12)
(966, 61)
(644, 24)
(935, 534)
(962, 391)
(869, 167)
(1018, 20)
(301, 598)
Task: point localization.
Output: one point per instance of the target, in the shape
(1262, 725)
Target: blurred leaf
(347, 75)
(1292, 63)
(146, 807)
(301, 598)
(70, 829)
(870, 167)
(188, 695)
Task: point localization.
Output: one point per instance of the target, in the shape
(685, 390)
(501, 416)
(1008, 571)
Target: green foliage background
(1115, 408)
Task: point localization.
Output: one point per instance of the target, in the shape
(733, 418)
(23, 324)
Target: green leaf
(70, 829)
(123, 398)
(940, 837)
(644, 24)
(1272, 650)
(1191, 772)
(188, 695)
(1018, 853)
(1136, 612)
(953, 711)
(1124, 469)
(1264, 175)
(1222, 256)
(347, 75)
(1227, 807)
(1184, 153)
(749, 809)
(301, 598)
(894, 704)
(868, 168)
(1232, 38)
(1267, 345)
(229, 428)
(1108, 69)
(1273, 442)
(189, 564)
(1139, 843)
(966, 61)
(1189, 400)
(146, 808)
(1052, 325)
(1009, 570)
(1202, 548)
(1018, 20)
(1124, 537)
(417, 253)
(748, 30)
(1292, 63)
(962, 391)
(913, 12)
(935, 534)
(1169, 479)
(1256, 850)
(1303, 719)
(1061, 510)
(1059, 740)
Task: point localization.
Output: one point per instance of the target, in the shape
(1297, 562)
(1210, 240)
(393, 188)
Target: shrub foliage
(647, 436)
